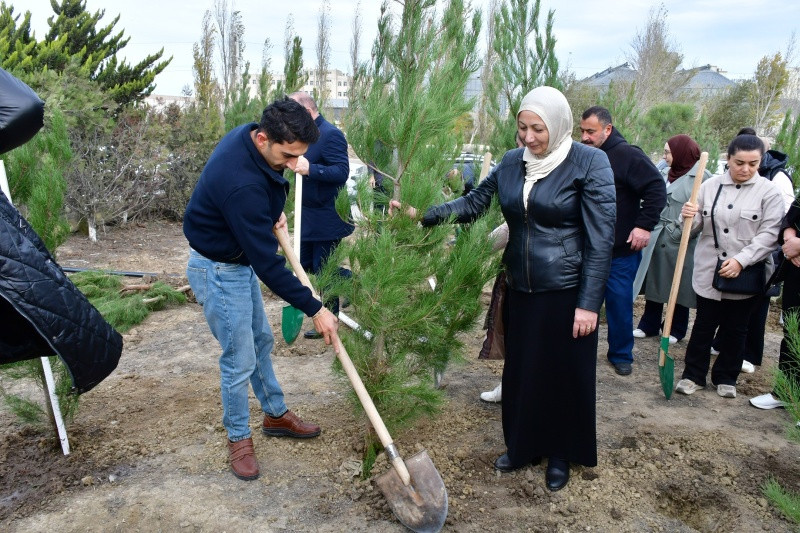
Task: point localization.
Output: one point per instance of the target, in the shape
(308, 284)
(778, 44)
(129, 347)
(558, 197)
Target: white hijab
(552, 106)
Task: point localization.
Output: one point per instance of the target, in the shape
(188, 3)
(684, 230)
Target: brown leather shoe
(289, 425)
(243, 459)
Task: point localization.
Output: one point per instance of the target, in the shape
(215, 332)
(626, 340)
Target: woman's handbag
(494, 345)
(751, 280)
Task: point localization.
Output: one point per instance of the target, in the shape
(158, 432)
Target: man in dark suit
(324, 169)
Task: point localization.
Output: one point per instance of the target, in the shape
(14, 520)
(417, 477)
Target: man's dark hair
(602, 114)
(746, 131)
(745, 143)
(287, 121)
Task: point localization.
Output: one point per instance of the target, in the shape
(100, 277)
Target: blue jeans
(619, 308)
(232, 304)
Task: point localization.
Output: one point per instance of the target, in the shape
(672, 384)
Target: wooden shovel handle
(283, 240)
(676, 276)
(487, 163)
(350, 369)
(298, 208)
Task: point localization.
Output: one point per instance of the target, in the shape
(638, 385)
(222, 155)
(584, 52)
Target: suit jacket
(329, 168)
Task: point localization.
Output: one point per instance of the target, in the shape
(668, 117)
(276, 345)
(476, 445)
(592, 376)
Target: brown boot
(289, 425)
(243, 459)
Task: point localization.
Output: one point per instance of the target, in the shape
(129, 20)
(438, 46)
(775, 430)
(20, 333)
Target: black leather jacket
(565, 238)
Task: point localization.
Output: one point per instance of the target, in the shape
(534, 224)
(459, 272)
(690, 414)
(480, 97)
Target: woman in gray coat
(681, 153)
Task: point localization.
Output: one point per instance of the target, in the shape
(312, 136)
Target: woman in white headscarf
(558, 199)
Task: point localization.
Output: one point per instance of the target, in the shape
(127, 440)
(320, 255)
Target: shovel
(666, 364)
(414, 489)
(291, 317)
(487, 163)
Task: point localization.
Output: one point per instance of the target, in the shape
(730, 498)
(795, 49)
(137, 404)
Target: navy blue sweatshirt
(235, 204)
(328, 170)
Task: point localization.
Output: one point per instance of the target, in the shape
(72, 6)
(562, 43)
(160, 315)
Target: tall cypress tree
(412, 290)
(76, 35)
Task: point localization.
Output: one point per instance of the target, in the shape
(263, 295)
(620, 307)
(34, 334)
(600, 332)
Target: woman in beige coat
(745, 212)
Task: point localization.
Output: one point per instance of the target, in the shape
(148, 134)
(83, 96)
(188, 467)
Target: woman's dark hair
(746, 131)
(745, 143)
(287, 121)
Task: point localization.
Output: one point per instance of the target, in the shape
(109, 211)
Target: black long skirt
(549, 380)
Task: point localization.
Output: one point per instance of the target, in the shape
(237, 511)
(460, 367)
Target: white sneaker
(766, 401)
(687, 386)
(639, 334)
(714, 352)
(726, 391)
(672, 340)
(748, 367)
(493, 396)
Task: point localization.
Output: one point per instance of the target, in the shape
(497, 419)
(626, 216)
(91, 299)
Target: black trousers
(788, 362)
(732, 317)
(651, 321)
(313, 255)
(754, 341)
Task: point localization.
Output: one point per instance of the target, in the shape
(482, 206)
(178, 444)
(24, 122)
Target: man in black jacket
(641, 195)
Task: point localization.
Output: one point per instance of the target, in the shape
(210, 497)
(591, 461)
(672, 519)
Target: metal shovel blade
(421, 506)
(291, 323)
(666, 368)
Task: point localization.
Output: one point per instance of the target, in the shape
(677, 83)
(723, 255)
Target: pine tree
(206, 88)
(788, 142)
(404, 107)
(294, 76)
(36, 180)
(323, 53)
(230, 36)
(242, 108)
(769, 81)
(519, 65)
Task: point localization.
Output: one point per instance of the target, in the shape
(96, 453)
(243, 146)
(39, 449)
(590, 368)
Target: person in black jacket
(557, 197)
(641, 195)
(788, 362)
(229, 222)
(324, 170)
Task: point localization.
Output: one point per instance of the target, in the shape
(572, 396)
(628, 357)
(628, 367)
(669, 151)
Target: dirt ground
(148, 447)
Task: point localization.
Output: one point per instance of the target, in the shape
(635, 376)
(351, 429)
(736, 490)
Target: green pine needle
(785, 501)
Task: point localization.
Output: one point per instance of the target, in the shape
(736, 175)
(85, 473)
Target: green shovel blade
(666, 372)
(291, 323)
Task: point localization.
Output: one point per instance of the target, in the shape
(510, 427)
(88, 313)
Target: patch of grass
(787, 387)
(785, 501)
(124, 310)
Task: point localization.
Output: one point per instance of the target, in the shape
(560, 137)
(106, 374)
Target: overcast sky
(591, 35)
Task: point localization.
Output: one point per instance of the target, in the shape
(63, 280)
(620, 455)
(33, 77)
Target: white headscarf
(552, 106)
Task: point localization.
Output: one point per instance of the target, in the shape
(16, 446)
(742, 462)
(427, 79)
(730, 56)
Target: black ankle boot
(557, 474)
(503, 464)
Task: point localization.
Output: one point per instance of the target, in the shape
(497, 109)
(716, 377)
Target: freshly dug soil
(149, 454)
